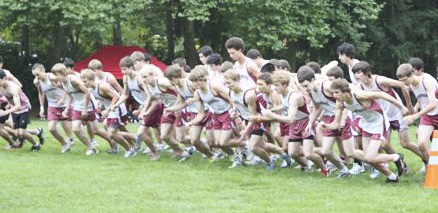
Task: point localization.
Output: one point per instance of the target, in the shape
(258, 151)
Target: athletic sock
(392, 176)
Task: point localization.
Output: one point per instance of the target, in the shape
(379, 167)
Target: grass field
(49, 181)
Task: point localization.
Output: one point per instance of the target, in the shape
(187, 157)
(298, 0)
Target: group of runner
(253, 111)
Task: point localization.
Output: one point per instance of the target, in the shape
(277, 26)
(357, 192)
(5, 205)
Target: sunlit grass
(49, 181)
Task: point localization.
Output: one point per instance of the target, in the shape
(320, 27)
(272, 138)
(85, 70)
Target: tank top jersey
(302, 111)
(186, 93)
(134, 87)
(24, 102)
(328, 104)
(77, 96)
(216, 104)
(421, 95)
(168, 97)
(391, 111)
(242, 106)
(374, 120)
(52, 93)
(267, 100)
(246, 80)
(106, 102)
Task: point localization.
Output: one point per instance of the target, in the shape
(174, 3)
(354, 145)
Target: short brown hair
(126, 62)
(340, 84)
(173, 71)
(305, 73)
(266, 77)
(336, 72)
(404, 70)
(235, 43)
(137, 56)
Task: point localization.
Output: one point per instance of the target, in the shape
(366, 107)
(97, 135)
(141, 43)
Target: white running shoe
(129, 153)
(236, 163)
(374, 173)
(146, 151)
(91, 151)
(66, 148)
(255, 161)
(184, 156)
(344, 173)
(357, 169)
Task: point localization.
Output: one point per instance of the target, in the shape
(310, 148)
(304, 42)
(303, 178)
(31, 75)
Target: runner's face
(126, 70)
(199, 84)
(279, 88)
(263, 87)
(308, 86)
(87, 82)
(233, 53)
(343, 58)
(359, 76)
(37, 73)
(406, 80)
(202, 58)
(337, 94)
(230, 84)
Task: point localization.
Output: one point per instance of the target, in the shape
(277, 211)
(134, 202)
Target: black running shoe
(35, 148)
(401, 166)
(391, 181)
(40, 135)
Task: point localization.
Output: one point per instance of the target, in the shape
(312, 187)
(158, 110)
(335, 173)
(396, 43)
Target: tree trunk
(189, 43)
(170, 33)
(117, 29)
(25, 49)
(59, 39)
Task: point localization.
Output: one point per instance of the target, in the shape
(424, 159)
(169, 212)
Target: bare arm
(125, 94)
(41, 96)
(113, 82)
(388, 82)
(368, 96)
(429, 84)
(77, 84)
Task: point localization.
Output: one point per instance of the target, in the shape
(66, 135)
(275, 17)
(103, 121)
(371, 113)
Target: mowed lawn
(48, 181)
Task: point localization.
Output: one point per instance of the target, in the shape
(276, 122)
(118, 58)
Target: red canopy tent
(110, 57)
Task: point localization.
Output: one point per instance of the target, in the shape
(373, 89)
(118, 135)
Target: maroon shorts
(153, 119)
(429, 120)
(55, 114)
(114, 123)
(284, 129)
(168, 118)
(297, 130)
(209, 121)
(381, 137)
(344, 132)
(188, 116)
(223, 121)
(356, 126)
(258, 128)
(76, 115)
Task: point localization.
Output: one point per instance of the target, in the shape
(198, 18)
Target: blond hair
(95, 64)
(199, 73)
(232, 74)
(87, 74)
(280, 76)
(59, 68)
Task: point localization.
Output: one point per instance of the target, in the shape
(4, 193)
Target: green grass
(49, 181)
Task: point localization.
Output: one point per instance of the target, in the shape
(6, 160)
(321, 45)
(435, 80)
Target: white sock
(392, 176)
(396, 157)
